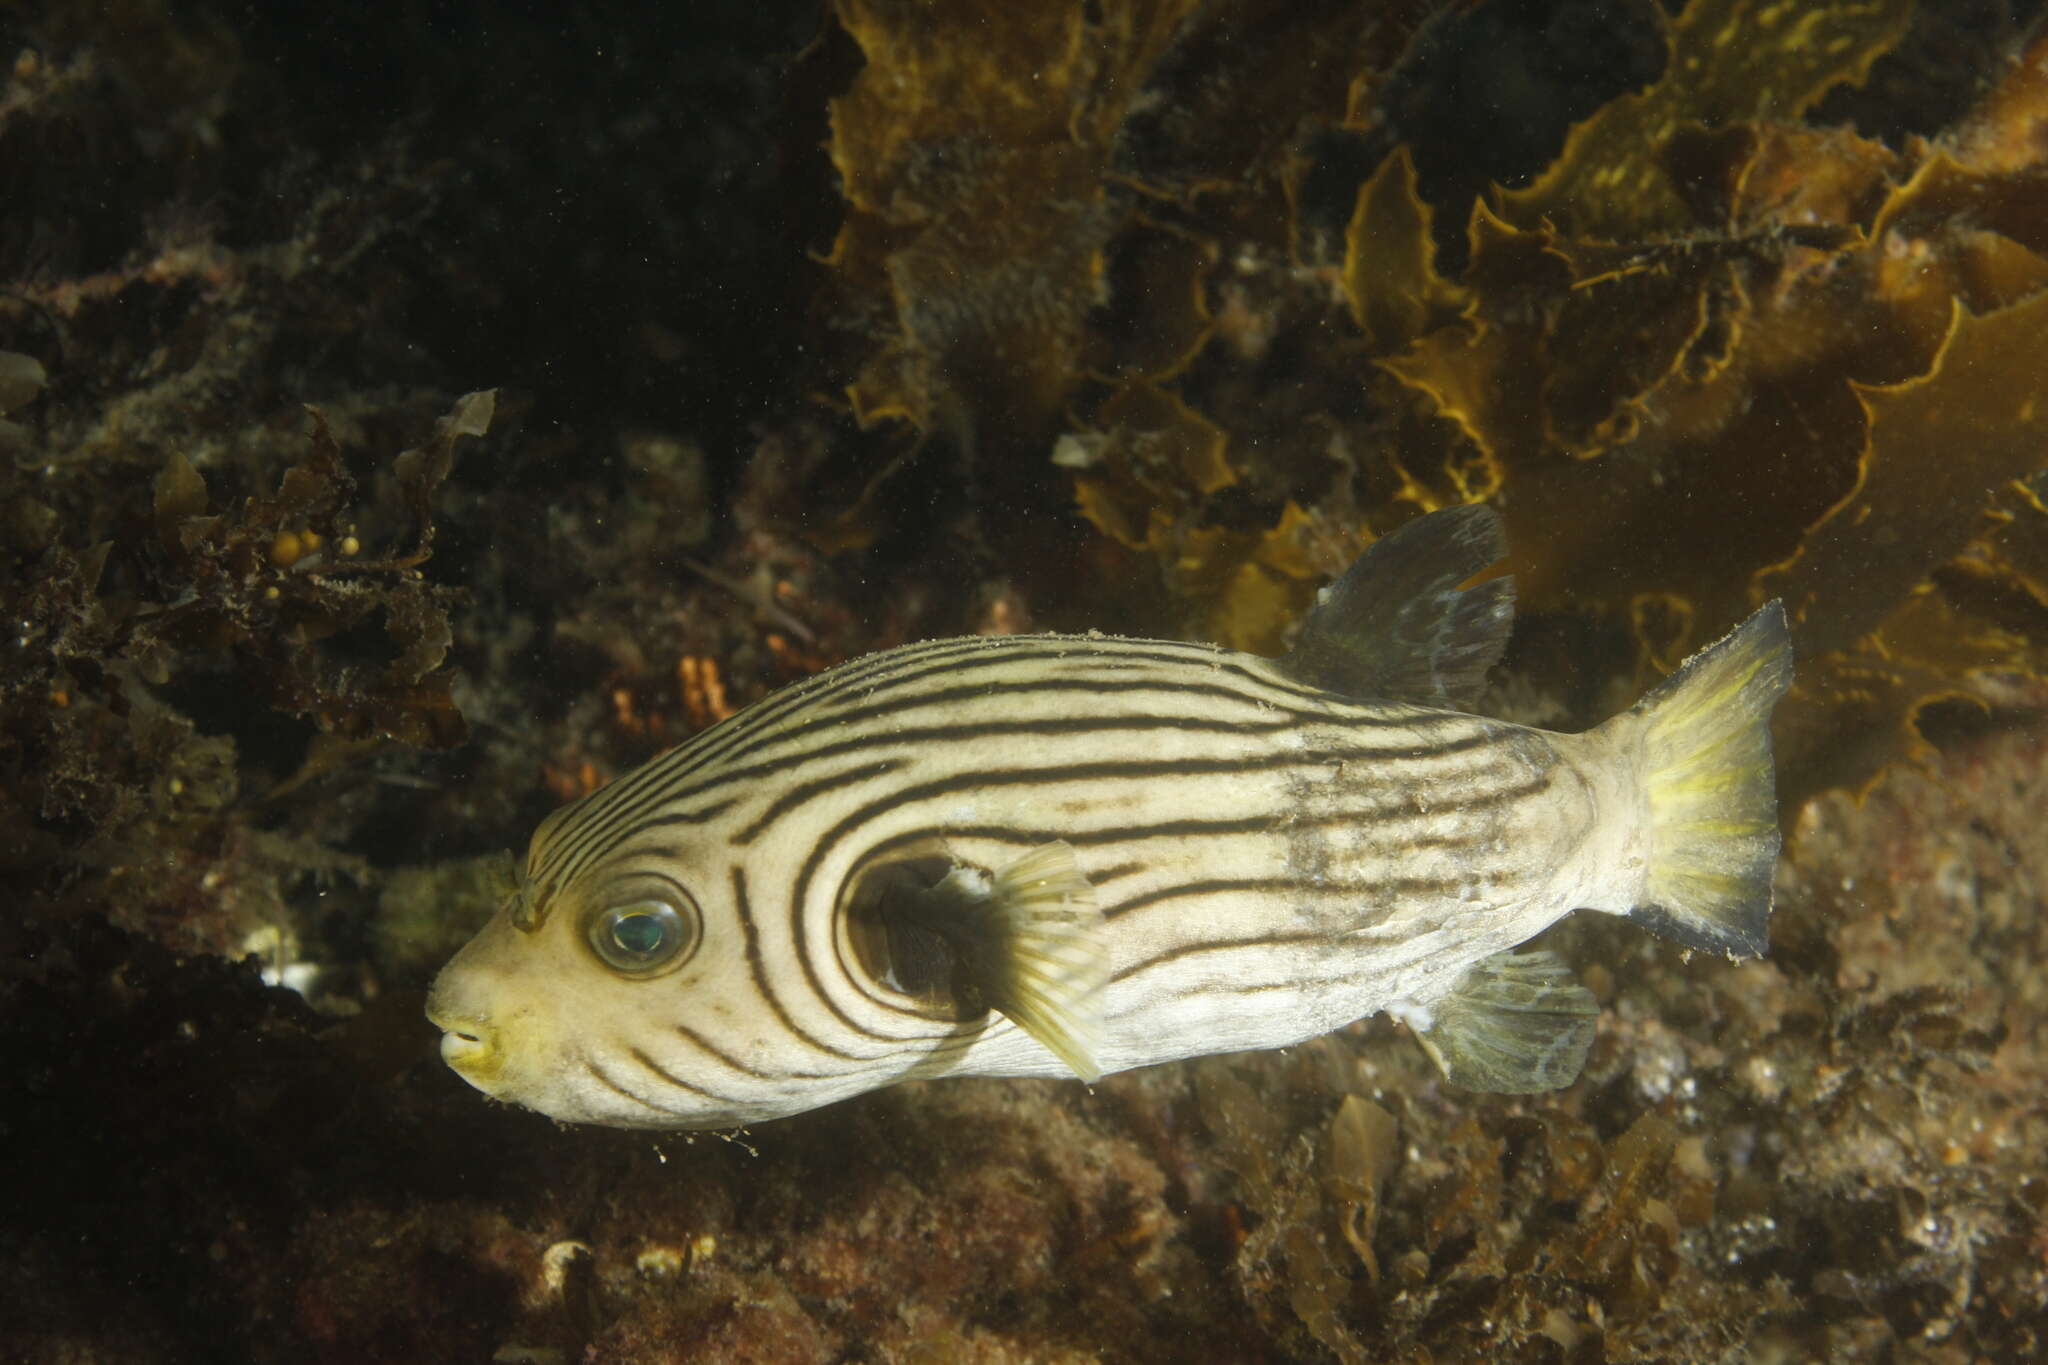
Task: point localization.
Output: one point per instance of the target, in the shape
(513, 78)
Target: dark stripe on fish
(1105, 876)
(799, 738)
(708, 745)
(745, 913)
(605, 1079)
(1188, 950)
(688, 817)
(732, 1063)
(1322, 887)
(817, 786)
(1043, 726)
(904, 668)
(1116, 770)
(678, 1082)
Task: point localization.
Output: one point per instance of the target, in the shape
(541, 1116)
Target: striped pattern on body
(1271, 860)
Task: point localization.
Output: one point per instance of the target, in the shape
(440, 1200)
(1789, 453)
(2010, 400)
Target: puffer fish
(1071, 855)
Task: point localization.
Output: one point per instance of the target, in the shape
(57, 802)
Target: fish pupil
(639, 934)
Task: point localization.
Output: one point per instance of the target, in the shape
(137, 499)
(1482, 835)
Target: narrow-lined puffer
(1049, 855)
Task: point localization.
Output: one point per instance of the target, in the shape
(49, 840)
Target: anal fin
(1518, 1023)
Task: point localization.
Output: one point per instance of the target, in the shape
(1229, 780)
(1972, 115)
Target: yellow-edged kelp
(1053, 855)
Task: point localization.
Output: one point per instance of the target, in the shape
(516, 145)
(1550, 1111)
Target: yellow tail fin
(1712, 790)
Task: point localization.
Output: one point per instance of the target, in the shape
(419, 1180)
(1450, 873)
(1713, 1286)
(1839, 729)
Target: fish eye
(642, 934)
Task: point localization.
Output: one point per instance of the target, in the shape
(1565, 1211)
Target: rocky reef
(412, 424)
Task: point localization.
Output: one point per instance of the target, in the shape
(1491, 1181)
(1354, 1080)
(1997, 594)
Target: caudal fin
(1713, 803)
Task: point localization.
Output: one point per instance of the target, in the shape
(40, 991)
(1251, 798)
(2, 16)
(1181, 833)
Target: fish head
(580, 1000)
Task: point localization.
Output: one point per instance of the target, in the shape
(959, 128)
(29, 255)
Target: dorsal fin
(1396, 627)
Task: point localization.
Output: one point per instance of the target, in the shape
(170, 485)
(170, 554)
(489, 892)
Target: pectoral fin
(1517, 1024)
(1047, 968)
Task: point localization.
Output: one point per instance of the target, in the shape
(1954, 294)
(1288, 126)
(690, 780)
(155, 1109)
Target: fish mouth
(468, 1046)
(463, 1050)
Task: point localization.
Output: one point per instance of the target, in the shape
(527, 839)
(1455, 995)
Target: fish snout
(470, 1044)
